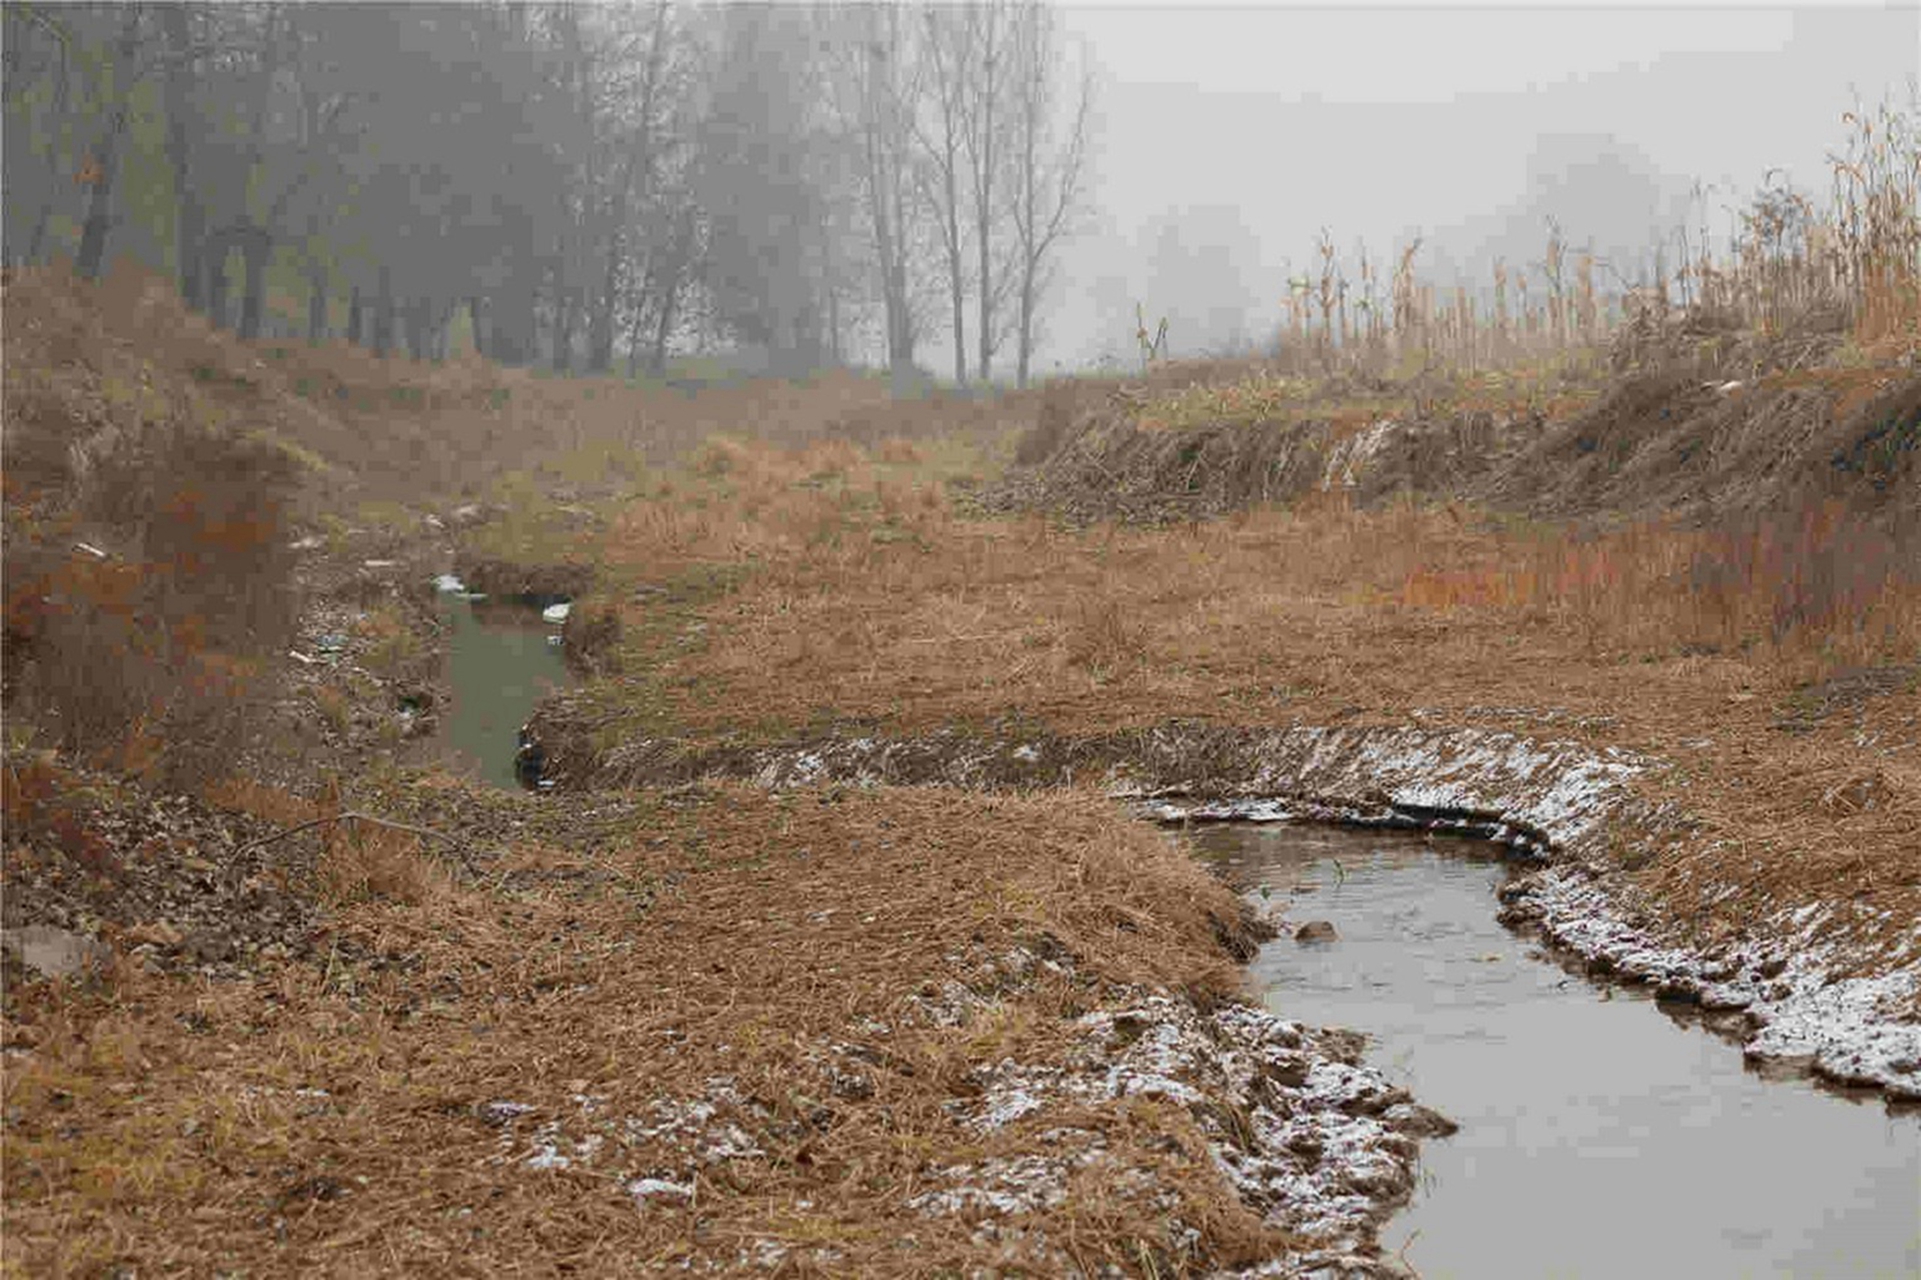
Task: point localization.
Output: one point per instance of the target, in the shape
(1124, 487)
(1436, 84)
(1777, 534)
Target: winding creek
(1598, 1137)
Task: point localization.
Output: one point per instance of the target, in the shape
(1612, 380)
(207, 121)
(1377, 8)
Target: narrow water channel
(502, 658)
(1599, 1138)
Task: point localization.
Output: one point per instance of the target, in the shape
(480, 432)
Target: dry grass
(1795, 266)
(163, 1124)
(967, 619)
(260, 800)
(100, 358)
(189, 461)
(1694, 645)
(143, 602)
(332, 1117)
(1820, 588)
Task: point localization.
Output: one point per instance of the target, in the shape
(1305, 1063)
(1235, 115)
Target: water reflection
(1596, 1140)
(501, 660)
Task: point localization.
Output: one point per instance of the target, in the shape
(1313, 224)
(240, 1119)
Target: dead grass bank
(1776, 663)
(822, 971)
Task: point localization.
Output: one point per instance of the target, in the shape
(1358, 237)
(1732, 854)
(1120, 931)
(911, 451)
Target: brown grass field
(1712, 559)
(332, 1117)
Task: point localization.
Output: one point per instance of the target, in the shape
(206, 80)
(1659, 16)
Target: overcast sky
(1246, 130)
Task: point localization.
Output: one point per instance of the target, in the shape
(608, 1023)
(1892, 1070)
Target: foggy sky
(1382, 123)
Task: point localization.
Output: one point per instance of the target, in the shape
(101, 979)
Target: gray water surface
(1599, 1137)
(500, 663)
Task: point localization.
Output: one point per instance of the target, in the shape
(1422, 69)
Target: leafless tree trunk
(383, 318)
(256, 248)
(1050, 159)
(104, 163)
(876, 115)
(190, 221)
(987, 22)
(676, 269)
(316, 302)
(945, 43)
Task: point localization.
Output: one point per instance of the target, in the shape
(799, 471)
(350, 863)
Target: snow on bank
(1321, 1145)
(1544, 793)
(1793, 1007)
(1309, 1150)
(1561, 803)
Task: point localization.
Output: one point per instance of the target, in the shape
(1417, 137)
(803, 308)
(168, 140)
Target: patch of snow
(1315, 1149)
(764, 1254)
(546, 1148)
(644, 1190)
(1002, 1185)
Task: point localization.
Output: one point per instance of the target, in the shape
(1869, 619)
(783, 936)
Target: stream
(502, 658)
(1599, 1138)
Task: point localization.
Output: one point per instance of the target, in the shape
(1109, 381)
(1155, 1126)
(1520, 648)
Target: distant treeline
(586, 185)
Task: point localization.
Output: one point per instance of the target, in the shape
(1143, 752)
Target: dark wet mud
(1599, 1137)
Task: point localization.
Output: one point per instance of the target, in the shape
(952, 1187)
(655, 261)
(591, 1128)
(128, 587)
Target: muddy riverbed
(1599, 1135)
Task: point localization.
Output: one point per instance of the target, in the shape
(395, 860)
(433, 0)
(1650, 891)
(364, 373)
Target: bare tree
(945, 37)
(576, 179)
(877, 83)
(1049, 160)
(985, 144)
(760, 178)
(116, 69)
(45, 82)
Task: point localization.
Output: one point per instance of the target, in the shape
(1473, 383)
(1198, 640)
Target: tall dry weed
(146, 640)
(1791, 265)
(360, 862)
(1105, 634)
(1820, 582)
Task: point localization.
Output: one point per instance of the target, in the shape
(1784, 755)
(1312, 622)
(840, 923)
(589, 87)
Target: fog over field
(651, 636)
(991, 192)
(1252, 129)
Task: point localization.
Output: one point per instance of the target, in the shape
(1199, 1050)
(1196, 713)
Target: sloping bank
(1786, 987)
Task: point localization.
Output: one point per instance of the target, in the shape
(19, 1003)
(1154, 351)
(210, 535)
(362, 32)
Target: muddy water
(500, 661)
(1599, 1138)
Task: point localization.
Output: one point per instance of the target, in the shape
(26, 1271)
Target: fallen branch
(355, 815)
